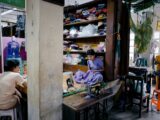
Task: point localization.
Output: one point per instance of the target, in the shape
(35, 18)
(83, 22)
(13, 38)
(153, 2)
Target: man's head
(12, 65)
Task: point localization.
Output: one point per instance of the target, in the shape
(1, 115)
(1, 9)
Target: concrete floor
(115, 114)
(130, 115)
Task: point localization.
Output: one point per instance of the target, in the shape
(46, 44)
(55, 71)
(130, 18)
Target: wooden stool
(156, 101)
(11, 113)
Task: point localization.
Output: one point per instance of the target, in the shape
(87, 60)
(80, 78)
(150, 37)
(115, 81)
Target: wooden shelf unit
(82, 52)
(89, 40)
(88, 4)
(74, 68)
(84, 23)
(88, 37)
(117, 21)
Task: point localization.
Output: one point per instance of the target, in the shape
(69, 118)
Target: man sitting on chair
(9, 95)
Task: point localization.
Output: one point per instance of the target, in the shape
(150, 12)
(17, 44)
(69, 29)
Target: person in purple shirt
(94, 74)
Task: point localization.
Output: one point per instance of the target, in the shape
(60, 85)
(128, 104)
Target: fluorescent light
(8, 11)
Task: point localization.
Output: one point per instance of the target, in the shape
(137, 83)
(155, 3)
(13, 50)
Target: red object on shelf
(104, 10)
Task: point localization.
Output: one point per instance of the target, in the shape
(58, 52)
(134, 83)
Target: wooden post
(125, 33)
(110, 50)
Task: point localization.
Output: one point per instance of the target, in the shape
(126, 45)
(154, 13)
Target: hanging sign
(16, 3)
(158, 25)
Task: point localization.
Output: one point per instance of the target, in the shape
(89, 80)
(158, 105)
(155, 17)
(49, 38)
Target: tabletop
(78, 102)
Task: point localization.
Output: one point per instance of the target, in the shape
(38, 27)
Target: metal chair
(134, 90)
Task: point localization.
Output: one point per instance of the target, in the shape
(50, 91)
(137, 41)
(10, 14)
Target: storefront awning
(15, 3)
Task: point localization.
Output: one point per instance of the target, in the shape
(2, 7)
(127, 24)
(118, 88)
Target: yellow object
(158, 25)
(157, 59)
(101, 16)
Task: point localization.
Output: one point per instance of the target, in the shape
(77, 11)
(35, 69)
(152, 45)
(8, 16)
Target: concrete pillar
(45, 58)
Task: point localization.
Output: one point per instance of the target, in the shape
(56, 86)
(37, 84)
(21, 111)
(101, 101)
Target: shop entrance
(13, 47)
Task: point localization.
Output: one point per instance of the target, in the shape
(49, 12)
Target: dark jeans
(24, 107)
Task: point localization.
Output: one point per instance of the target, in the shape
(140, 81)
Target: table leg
(96, 109)
(77, 115)
(95, 112)
(105, 113)
(86, 114)
(104, 107)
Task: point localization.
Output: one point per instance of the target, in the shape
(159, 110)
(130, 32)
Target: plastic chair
(9, 113)
(156, 100)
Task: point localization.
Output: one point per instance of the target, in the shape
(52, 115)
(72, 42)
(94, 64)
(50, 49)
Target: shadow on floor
(132, 115)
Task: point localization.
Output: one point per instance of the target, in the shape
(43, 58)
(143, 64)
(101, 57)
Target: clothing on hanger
(13, 49)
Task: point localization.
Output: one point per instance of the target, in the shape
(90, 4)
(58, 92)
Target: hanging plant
(143, 34)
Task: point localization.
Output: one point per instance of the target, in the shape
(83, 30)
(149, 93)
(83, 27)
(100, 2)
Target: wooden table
(23, 101)
(77, 103)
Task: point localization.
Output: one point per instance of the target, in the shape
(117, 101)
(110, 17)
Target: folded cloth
(89, 78)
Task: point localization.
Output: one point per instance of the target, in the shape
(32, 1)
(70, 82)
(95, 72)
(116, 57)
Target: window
(131, 48)
(156, 37)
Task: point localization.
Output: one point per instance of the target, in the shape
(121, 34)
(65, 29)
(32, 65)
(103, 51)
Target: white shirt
(9, 95)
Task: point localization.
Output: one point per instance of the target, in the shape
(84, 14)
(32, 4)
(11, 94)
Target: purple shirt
(96, 64)
(90, 77)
